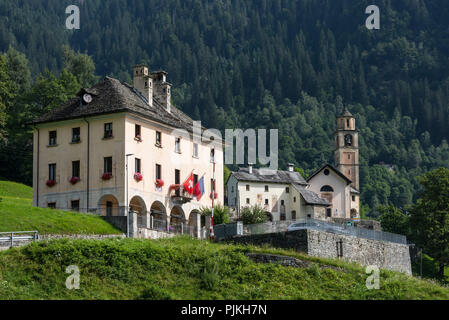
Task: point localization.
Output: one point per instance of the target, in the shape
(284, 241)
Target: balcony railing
(179, 194)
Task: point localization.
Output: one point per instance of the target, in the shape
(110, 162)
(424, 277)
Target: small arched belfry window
(348, 140)
(327, 189)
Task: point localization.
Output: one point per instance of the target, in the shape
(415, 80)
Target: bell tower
(346, 153)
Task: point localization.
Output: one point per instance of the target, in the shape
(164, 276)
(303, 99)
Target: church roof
(348, 181)
(113, 96)
(311, 197)
(268, 175)
(346, 113)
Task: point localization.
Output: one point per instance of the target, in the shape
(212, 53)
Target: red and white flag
(188, 185)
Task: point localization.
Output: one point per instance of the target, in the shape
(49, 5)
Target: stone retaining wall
(385, 255)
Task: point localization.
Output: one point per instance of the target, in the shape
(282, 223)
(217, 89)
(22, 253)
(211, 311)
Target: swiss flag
(188, 185)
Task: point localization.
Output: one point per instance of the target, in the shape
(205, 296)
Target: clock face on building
(348, 140)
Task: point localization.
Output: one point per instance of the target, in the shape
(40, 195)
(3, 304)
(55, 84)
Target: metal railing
(18, 236)
(176, 228)
(312, 224)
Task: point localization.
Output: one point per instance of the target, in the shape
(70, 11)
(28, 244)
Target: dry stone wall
(385, 255)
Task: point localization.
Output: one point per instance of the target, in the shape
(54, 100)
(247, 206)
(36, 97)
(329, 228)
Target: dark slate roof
(112, 96)
(311, 197)
(346, 113)
(348, 181)
(271, 176)
(353, 190)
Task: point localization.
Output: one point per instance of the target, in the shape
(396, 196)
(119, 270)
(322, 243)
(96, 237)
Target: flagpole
(212, 235)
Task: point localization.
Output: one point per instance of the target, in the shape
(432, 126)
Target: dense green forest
(284, 64)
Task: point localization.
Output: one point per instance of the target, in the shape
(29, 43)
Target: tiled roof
(271, 176)
(112, 96)
(310, 197)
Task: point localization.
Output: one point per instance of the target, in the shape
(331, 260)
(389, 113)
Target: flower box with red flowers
(159, 183)
(138, 176)
(51, 183)
(138, 138)
(74, 180)
(106, 176)
(215, 195)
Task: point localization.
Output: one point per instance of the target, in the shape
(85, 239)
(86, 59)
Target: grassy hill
(183, 268)
(18, 214)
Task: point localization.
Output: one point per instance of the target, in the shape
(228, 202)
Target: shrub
(221, 214)
(252, 215)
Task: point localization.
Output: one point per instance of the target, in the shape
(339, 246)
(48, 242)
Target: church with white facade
(330, 192)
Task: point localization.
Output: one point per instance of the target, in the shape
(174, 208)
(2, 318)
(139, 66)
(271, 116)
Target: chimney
(143, 82)
(291, 167)
(250, 168)
(162, 89)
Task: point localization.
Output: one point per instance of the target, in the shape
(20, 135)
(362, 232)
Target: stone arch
(137, 204)
(177, 219)
(108, 205)
(158, 215)
(192, 222)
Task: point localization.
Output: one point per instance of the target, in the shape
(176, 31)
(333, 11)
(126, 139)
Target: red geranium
(159, 183)
(138, 176)
(106, 176)
(51, 183)
(74, 180)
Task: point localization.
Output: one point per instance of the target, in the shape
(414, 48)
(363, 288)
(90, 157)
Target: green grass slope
(183, 268)
(18, 214)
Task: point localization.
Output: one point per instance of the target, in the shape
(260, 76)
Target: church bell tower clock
(347, 147)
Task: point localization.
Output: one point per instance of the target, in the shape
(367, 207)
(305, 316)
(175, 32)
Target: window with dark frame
(294, 199)
(76, 169)
(178, 145)
(75, 205)
(137, 132)
(158, 171)
(293, 215)
(51, 205)
(247, 187)
(52, 138)
(195, 179)
(137, 165)
(76, 135)
(287, 190)
(195, 150)
(177, 181)
(266, 202)
(329, 212)
(247, 201)
(158, 139)
(108, 130)
(266, 188)
(52, 171)
(108, 165)
(353, 198)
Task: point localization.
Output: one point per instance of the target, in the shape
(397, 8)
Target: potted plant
(51, 183)
(159, 183)
(138, 176)
(138, 138)
(106, 176)
(74, 180)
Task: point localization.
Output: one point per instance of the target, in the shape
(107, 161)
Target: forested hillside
(283, 64)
